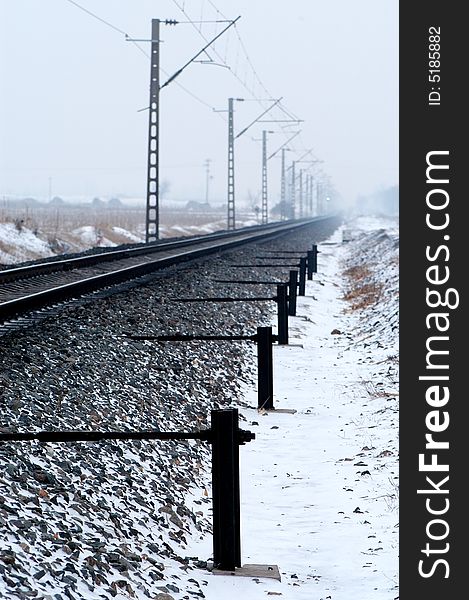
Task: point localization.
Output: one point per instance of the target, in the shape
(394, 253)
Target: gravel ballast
(111, 519)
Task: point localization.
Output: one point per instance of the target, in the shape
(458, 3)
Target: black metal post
(310, 264)
(282, 313)
(225, 437)
(292, 285)
(302, 282)
(225, 490)
(315, 258)
(265, 379)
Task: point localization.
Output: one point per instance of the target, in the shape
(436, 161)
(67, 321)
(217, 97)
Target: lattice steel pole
(310, 195)
(307, 203)
(315, 197)
(283, 199)
(307, 211)
(231, 181)
(207, 178)
(319, 198)
(265, 215)
(292, 191)
(301, 193)
(152, 210)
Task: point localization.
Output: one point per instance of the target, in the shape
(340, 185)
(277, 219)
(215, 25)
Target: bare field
(28, 233)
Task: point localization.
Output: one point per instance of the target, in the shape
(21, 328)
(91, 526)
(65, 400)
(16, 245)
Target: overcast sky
(71, 88)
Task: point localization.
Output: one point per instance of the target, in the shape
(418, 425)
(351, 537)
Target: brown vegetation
(362, 291)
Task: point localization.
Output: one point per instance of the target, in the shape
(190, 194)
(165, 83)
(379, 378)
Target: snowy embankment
(320, 487)
(19, 243)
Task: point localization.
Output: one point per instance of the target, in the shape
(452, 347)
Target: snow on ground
(18, 243)
(210, 227)
(127, 234)
(91, 236)
(320, 488)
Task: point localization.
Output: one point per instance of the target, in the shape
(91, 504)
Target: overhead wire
(244, 79)
(256, 76)
(144, 52)
(214, 50)
(201, 14)
(301, 148)
(245, 52)
(94, 15)
(224, 61)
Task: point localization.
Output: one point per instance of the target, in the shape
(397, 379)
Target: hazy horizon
(73, 89)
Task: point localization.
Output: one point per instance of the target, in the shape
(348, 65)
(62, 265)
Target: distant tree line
(58, 202)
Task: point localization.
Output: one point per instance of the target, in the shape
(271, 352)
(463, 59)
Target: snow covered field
(320, 487)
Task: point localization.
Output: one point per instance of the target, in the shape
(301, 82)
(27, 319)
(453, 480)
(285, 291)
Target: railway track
(78, 370)
(32, 287)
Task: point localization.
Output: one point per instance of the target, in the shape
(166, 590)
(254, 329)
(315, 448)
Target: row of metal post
(224, 435)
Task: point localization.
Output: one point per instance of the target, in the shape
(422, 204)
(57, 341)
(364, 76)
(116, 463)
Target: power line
(244, 49)
(206, 104)
(193, 23)
(290, 114)
(179, 71)
(96, 17)
(214, 50)
(143, 51)
(280, 106)
(223, 60)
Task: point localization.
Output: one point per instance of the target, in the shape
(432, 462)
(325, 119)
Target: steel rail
(67, 264)
(207, 245)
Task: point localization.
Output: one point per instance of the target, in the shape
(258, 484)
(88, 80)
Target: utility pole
(265, 215)
(304, 192)
(152, 208)
(283, 199)
(283, 183)
(310, 194)
(231, 182)
(314, 207)
(292, 192)
(301, 193)
(231, 140)
(306, 195)
(152, 212)
(207, 178)
(319, 197)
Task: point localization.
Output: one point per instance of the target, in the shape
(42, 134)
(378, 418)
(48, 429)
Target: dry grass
(357, 272)
(361, 292)
(61, 226)
(374, 391)
(57, 222)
